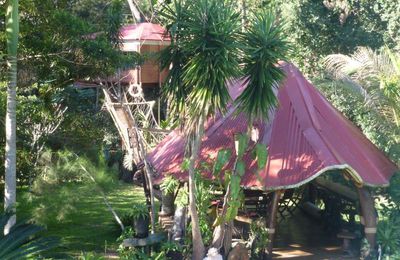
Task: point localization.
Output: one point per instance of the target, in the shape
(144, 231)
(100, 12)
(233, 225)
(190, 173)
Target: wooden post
(272, 220)
(369, 217)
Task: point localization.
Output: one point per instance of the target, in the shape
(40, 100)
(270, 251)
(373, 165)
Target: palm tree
(12, 28)
(207, 48)
(374, 74)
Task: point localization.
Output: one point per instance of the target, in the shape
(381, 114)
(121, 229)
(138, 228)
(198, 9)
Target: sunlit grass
(90, 226)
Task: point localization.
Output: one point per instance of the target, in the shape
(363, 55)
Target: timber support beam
(369, 216)
(272, 219)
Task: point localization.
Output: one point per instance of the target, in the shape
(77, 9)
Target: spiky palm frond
(376, 75)
(213, 28)
(23, 240)
(204, 55)
(174, 56)
(264, 45)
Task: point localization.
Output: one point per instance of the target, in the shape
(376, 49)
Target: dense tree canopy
(57, 46)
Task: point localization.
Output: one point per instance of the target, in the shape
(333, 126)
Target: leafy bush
(169, 184)
(388, 235)
(90, 256)
(126, 219)
(259, 239)
(139, 211)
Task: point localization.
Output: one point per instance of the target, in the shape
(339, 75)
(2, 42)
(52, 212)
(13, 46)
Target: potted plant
(168, 188)
(140, 216)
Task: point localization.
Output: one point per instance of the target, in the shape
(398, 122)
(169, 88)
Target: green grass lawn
(90, 227)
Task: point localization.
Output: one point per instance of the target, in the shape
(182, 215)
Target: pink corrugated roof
(305, 136)
(144, 32)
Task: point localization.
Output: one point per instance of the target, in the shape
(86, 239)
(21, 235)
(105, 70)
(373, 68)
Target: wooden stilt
(272, 220)
(369, 217)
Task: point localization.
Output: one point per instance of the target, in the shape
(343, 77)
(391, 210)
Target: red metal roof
(305, 136)
(144, 32)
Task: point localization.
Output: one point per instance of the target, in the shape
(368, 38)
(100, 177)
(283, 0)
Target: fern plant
(23, 240)
(169, 184)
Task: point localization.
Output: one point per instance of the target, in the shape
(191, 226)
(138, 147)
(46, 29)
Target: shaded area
(302, 237)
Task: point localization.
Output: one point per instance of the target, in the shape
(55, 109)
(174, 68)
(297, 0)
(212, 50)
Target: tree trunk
(12, 29)
(135, 11)
(148, 178)
(222, 236)
(195, 143)
(219, 231)
(272, 220)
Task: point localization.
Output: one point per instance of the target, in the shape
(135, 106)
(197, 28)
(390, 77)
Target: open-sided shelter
(305, 136)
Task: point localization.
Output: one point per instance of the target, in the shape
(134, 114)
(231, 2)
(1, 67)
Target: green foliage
(394, 189)
(264, 44)
(24, 240)
(261, 155)
(59, 171)
(389, 12)
(382, 133)
(52, 54)
(158, 253)
(319, 28)
(388, 235)
(126, 219)
(61, 53)
(241, 141)
(182, 199)
(258, 239)
(139, 211)
(232, 178)
(90, 256)
(204, 195)
(166, 248)
(204, 50)
(222, 159)
(376, 75)
(169, 184)
(236, 196)
(42, 124)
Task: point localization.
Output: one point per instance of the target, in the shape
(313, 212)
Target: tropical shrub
(388, 235)
(24, 240)
(169, 184)
(139, 211)
(259, 239)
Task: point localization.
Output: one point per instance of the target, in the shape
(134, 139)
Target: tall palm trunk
(195, 143)
(12, 29)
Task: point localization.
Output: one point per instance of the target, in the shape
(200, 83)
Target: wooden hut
(146, 39)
